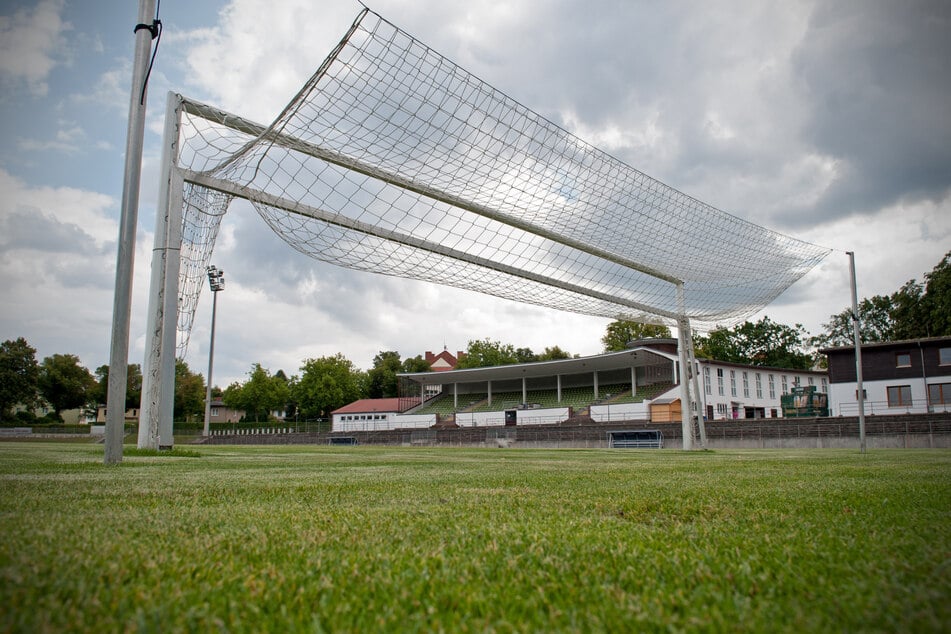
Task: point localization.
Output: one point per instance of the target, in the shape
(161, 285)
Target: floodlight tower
(216, 282)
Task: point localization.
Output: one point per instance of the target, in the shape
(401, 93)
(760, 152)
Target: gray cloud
(878, 78)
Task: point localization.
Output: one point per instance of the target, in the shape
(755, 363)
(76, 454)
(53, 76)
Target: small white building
(368, 414)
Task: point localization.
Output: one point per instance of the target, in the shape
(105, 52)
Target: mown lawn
(314, 538)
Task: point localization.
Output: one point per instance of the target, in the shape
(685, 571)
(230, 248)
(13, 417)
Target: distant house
(443, 361)
(368, 414)
(131, 415)
(221, 413)
(911, 376)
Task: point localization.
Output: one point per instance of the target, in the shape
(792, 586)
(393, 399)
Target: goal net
(394, 160)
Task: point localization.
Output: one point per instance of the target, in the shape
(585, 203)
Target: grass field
(314, 538)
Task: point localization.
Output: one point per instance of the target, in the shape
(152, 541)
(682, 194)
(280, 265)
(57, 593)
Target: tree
(381, 378)
(326, 384)
(133, 387)
(525, 355)
(763, 343)
(486, 353)
(260, 395)
(908, 313)
(189, 392)
(914, 311)
(65, 383)
(552, 354)
(416, 364)
(622, 331)
(937, 299)
(875, 315)
(19, 375)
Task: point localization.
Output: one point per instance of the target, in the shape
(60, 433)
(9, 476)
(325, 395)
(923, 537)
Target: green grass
(315, 538)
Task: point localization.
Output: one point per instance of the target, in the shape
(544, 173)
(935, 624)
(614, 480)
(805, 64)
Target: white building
(898, 377)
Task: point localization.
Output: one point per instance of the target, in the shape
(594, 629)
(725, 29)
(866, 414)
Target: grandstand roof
(633, 357)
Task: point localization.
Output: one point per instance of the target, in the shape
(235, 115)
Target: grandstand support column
(558, 386)
(633, 380)
(524, 390)
(152, 374)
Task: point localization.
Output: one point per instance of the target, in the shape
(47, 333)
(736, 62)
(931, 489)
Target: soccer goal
(394, 160)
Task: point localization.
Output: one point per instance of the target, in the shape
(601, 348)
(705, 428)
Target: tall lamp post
(216, 282)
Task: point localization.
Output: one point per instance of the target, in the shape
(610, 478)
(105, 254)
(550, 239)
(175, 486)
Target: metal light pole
(216, 282)
(857, 337)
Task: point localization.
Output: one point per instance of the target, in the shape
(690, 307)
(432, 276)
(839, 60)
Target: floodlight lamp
(216, 279)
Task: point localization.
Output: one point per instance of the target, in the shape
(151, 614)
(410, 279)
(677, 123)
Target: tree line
(916, 310)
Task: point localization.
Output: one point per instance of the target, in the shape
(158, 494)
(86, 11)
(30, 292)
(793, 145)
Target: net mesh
(394, 160)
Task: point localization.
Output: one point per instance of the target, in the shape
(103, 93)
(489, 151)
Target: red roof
(370, 406)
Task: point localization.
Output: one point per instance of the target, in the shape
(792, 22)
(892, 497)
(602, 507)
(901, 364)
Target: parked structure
(911, 376)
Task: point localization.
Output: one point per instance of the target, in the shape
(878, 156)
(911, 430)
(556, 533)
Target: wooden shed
(665, 410)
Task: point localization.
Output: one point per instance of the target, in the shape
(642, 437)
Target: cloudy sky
(828, 121)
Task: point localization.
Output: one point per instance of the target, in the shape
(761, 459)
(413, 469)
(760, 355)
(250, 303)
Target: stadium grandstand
(637, 384)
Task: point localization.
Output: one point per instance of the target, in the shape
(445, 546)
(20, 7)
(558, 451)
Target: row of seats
(575, 397)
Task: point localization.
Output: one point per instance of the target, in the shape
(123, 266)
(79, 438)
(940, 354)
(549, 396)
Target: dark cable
(156, 30)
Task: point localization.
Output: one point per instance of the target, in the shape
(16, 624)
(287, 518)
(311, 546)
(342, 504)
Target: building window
(903, 360)
(733, 382)
(706, 381)
(772, 387)
(864, 395)
(773, 413)
(722, 409)
(214, 411)
(939, 393)
(825, 384)
(759, 385)
(746, 384)
(785, 385)
(899, 395)
(812, 380)
(720, 381)
(944, 356)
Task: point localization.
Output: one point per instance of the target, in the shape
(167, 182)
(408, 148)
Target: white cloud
(57, 259)
(30, 42)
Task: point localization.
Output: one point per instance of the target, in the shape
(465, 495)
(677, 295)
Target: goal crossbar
(240, 191)
(270, 135)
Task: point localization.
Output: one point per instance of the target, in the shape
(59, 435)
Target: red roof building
(444, 360)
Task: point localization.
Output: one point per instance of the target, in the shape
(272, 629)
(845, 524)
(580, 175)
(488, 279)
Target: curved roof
(634, 357)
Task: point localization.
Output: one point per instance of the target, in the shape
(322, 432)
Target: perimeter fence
(925, 430)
